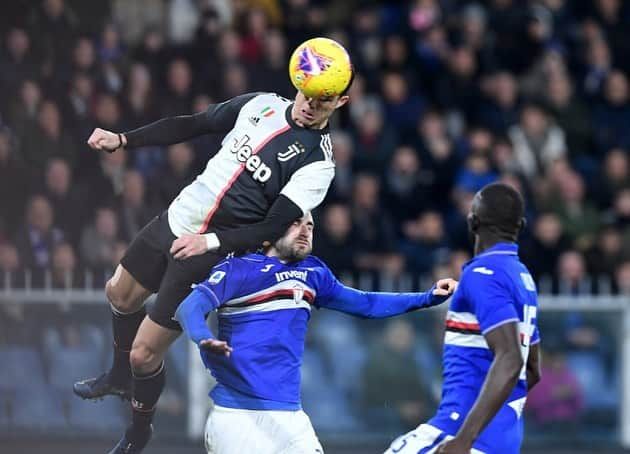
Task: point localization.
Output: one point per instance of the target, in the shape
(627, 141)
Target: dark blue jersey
(495, 288)
(263, 309)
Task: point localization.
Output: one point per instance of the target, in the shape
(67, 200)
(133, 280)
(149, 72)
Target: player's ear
(473, 222)
(522, 225)
(343, 99)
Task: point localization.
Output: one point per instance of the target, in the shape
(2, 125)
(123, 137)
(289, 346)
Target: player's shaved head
(497, 209)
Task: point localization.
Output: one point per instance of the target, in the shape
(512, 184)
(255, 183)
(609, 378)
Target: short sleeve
(490, 298)
(222, 283)
(309, 184)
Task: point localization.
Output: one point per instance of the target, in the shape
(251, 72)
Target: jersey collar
(497, 249)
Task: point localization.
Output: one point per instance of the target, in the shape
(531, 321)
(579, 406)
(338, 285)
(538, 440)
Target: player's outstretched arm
(191, 315)
(167, 131)
(502, 377)
(384, 304)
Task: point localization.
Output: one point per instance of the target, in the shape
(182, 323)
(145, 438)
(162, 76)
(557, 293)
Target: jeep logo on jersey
(293, 150)
(253, 164)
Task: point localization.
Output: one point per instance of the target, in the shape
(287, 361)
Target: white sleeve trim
(496, 325)
(308, 186)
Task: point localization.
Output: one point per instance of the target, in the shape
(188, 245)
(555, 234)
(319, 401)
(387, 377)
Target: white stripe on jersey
(463, 317)
(192, 209)
(289, 284)
(465, 340)
(274, 305)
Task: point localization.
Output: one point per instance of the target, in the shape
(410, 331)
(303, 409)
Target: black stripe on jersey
(463, 331)
(275, 296)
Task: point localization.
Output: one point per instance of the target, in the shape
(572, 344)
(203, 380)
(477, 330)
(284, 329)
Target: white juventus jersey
(265, 154)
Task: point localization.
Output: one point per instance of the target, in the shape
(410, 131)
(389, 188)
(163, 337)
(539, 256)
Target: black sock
(125, 327)
(146, 392)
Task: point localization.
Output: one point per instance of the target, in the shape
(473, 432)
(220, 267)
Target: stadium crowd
(449, 95)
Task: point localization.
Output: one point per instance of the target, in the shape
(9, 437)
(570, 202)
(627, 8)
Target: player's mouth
(307, 116)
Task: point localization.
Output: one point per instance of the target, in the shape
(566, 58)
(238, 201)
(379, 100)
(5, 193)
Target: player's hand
(106, 140)
(445, 287)
(454, 446)
(187, 246)
(217, 347)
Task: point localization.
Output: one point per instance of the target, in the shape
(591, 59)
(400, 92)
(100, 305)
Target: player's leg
(303, 437)
(156, 334)
(138, 275)
(230, 431)
(424, 439)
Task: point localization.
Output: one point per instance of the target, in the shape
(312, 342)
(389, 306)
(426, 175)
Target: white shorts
(235, 431)
(424, 439)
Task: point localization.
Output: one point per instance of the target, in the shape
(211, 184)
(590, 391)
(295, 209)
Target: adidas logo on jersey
(293, 150)
(260, 171)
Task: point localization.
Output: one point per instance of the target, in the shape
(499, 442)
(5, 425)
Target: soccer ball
(320, 67)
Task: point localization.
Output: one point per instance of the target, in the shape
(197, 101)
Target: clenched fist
(106, 140)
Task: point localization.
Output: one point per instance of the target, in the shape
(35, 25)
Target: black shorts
(149, 261)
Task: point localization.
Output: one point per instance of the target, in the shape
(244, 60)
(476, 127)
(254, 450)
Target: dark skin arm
(503, 375)
(533, 366)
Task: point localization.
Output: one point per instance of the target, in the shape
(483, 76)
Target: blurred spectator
(374, 138)
(235, 81)
(537, 141)
(374, 229)
(607, 254)
(67, 199)
(38, 236)
(64, 272)
(343, 153)
(572, 274)
(177, 174)
(556, 402)
(77, 111)
(48, 139)
(474, 174)
(139, 98)
(621, 212)
(571, 115)
(99, 239)
(612, 115)
(16, 61)
(23, 111)
(499, 110)
(577, 214)
(9, 259)
(614, 175)
(179, 88)
(458, 89)
(131, 210)
(393, 393)
(14, 184)
(271, 73)
(436, 150)
(408, 188)
(622, 278)
(540, 252)
(425, 243)
(106, 182)
(334, 241)
(253, 36)
(55, 25)
(598, 66)
(402, 105)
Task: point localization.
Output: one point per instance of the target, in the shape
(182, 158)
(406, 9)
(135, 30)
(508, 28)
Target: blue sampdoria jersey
(263, 309)
(495, 288)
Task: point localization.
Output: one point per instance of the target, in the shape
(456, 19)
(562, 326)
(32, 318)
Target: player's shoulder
(269, 99)
(313, 262)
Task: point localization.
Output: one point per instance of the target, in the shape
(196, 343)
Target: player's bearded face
(314, 112)
(297, 243)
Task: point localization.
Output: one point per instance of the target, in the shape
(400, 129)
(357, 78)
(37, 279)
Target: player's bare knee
(143, 359)
(119, 299)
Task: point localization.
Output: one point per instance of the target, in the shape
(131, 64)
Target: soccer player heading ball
(274, 165)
